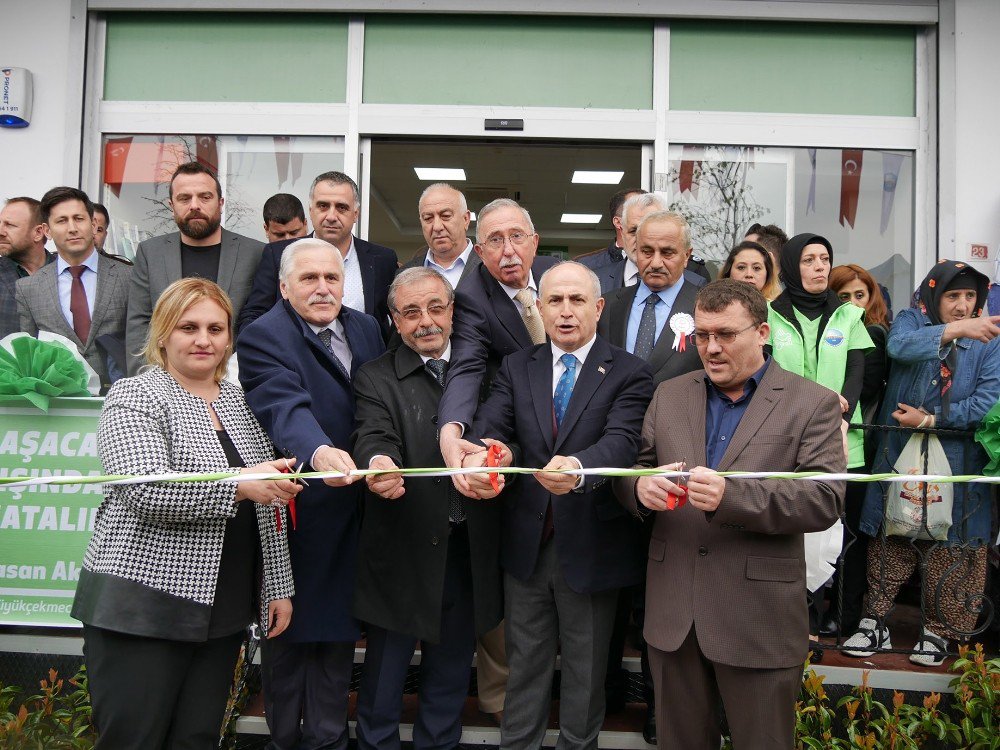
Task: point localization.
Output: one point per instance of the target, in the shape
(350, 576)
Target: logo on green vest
(834, 337)
(782, 339)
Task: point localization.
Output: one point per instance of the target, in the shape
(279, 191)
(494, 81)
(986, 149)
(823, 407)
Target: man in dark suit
(651, 318)
(567, 547)
(429, 560)
(609, 262)
(22, 252)
(201, 247)
(496, 314)
(84, 294)
(297, 362)
(444, 220)
(725, 611)
(334, 203)
(619, 269)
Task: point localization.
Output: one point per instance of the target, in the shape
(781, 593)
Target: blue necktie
(564, 388)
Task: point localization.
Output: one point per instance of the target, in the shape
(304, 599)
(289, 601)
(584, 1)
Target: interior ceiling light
(472, 215)
(597, 178)
(580, 218)
(440, 174)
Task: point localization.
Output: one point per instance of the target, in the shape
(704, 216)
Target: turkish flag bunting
(850, 184)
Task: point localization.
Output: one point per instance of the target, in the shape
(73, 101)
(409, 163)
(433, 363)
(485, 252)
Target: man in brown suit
(725, 594)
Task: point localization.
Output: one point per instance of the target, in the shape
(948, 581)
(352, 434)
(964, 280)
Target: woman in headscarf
(820, 337)
(945, 373)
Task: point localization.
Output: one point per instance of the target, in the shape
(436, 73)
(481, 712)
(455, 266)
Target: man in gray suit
(725, 611)
(81, 296)
(22, 252)
(444, 220)
(201, 248)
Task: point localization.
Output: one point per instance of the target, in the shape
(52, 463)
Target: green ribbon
(38, 371)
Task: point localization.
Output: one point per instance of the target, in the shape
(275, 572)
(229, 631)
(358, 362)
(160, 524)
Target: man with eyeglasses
(429, 564)
(496, 314)
(725, 611)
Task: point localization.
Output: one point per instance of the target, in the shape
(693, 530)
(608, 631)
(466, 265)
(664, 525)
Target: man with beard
(22, 252)
(201, 248)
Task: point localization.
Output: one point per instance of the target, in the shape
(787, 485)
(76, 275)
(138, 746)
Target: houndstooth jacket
(168, 536)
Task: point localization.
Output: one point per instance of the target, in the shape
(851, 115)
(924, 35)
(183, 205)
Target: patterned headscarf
(945, 275)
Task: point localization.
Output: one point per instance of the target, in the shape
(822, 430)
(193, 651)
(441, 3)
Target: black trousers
(149, 693)
(305, 693)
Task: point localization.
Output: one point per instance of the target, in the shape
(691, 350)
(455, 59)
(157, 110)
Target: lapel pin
(600, 369)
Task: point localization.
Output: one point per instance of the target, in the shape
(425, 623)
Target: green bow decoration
(39, 371)
(988, 436)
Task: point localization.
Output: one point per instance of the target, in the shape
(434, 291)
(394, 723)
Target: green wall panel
(516, 61)
(789, 67)
(226, 57)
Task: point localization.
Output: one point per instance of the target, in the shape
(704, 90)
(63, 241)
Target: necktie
(646, 336)
(564, 388)
(326, 336)
(530, 316)
(437, 368)
(78, 306)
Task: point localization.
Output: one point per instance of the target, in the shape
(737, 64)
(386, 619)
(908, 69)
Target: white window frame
(654, 129)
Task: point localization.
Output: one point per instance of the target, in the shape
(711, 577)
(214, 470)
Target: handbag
(920, 510)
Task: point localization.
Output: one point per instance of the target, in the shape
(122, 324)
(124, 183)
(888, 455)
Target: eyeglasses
(516, 240)
(702, 338)
(416, 313)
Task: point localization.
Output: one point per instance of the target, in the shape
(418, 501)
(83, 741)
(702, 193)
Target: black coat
(404, 542)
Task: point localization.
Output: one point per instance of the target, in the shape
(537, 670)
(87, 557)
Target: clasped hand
(705, 488)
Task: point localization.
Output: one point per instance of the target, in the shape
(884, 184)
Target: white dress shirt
(354, 290)
(454, 272)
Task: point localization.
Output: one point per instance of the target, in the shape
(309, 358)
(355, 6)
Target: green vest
(844, 330)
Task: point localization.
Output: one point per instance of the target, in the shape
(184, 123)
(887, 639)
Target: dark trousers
(851, 580)
(445, 667)
(306, 682)
(759, 703)
(542, 614)
(150, 693)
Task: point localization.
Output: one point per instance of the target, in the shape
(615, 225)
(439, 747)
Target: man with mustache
(201, 247)
(297, 364)
(429, 566)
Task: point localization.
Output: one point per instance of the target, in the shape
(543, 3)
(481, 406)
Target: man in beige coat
(725, 594)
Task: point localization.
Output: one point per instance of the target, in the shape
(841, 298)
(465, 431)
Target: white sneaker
(868, 638)
(935, 646)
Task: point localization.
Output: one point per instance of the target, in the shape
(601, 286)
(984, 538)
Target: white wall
(970, 109)
(47, 38)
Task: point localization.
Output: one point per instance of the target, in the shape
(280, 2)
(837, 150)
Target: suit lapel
(540, 370)
(696, 399)
(326, 356)
(592, 374)
(227, 259)
(171, 259)
(106, 280)
(51, 300)
(664, 348)
(620, 304)
(761, 406)
(506, 311)
(367, 274)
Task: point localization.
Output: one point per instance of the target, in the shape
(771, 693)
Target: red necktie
(78, 306)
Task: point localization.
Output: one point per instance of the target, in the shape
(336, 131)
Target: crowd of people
(320, 351)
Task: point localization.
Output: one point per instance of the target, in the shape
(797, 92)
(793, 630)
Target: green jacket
(844, 331)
